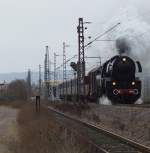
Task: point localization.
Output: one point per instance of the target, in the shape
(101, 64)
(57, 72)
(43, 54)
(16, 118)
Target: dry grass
(76, 110)
(14, 104)
(39, 133)
(70, 108)
(130, 122)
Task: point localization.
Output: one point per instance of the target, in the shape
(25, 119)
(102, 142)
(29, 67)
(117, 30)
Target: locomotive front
(122, 86)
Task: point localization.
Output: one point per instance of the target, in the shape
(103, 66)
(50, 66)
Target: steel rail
(134, 105)
(129, 142)
(97, 148)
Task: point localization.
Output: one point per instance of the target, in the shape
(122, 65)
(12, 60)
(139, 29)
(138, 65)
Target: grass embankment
(13, 104)
(76, 110)
(40, 133)
(70, 108)
(130, 122)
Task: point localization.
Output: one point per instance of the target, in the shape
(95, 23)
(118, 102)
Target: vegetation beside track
(39, 133)
(129, 122)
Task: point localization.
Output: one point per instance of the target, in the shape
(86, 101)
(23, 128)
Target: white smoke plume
(104, 101)
(131, 38)
(133, 33)
(139, 101)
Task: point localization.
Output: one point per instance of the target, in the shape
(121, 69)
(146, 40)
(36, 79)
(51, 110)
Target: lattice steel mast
(81, 61)
(55, 64)
(40, 80)
(64, 69)
(47, 73)
(64, 62)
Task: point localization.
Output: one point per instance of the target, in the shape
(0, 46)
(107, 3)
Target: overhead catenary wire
(96, 39)
(112, 28)
(68, 60)
(88, 44)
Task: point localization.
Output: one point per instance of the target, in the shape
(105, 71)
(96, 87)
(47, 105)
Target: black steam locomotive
(115, 79)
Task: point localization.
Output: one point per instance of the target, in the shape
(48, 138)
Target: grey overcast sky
(26, 26)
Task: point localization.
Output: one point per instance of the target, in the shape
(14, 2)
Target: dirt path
(8, 128)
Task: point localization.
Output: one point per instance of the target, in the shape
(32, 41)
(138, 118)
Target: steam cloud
(123, 46)
(104, 101)
(132, 36)
(139, 101)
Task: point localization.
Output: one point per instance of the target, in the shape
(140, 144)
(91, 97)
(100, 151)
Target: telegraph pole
(81, 61)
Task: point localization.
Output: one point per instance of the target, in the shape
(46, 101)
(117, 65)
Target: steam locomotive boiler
(116, 80)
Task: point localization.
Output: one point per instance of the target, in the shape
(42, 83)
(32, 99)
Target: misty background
(26, 27)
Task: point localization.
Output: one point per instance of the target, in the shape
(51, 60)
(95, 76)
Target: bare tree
(18, 90)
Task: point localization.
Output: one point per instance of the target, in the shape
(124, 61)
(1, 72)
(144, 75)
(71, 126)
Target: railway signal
(74, 66)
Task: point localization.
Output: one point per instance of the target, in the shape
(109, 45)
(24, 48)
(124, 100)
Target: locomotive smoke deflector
(139, 66)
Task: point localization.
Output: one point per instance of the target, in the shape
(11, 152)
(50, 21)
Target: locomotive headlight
(124, 59)
(114, 83)
(133, 83)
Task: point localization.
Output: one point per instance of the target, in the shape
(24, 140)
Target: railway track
(134, 105)
(102, 140)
